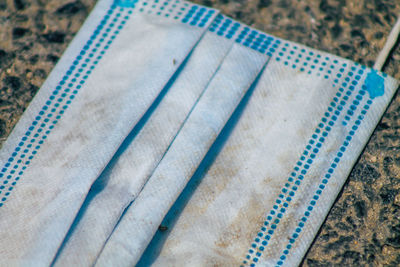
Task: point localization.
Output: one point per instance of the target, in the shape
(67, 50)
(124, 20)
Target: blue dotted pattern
(290, 54)
(327, 176)
(125, 3)
(308, 61)
(60, 99)
(353, 107)
(230, 29)
(258, 41)
(198, 16)
(224, 26)
(310, 152)
(187, 13)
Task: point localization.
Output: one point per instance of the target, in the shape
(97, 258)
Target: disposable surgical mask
(267, 183)
(112, 72)
(125, 175)
(256, 194)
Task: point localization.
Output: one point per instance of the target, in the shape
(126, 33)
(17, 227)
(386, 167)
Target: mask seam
(324, 182)
(301, 168)
(183, 123)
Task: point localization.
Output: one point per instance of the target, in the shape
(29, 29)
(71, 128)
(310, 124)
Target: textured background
(363, 227)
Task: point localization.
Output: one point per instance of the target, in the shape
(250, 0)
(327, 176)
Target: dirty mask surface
(236, 75)
(128, 171)
(99, 90)
(260, 195)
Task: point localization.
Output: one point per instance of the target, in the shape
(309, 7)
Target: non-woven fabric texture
(236, 75)
(140, 153)
(260, 195)
(99, 90)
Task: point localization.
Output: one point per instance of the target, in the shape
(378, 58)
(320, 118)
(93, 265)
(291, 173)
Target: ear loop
(388, 47)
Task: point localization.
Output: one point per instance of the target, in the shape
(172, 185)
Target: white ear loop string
(387, 48)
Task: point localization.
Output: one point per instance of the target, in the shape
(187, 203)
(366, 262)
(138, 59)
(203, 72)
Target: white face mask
(261, 194)
(129, 170)
(107, 79)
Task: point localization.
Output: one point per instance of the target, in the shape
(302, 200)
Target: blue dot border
(61, 98)
(324, 182)
(187, 13)
(335, 108)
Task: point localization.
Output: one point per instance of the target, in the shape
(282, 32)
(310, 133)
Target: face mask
(141, 220)
(109, 76)
(267, 183)
(140, 153)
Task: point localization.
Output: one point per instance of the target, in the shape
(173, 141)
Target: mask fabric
(141, 220)
(109, 76)
(140, 153)
(266, 185)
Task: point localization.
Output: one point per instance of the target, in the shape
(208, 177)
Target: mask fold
(98, 91)
(128, 171)
(235, 76)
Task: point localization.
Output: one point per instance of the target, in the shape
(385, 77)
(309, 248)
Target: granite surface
(363, 227)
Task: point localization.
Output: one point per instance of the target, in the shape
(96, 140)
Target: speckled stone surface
(363, 227)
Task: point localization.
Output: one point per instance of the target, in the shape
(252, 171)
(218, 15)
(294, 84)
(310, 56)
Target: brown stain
(229, 237)
(94, 110)
(287, 159)
(71, 138)
(291, 218)
(264, 93)
(213, 187)
(303, 133)
(224, 260)
(33, 193)
(237, 232)
(97, 109)
(268, 180)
